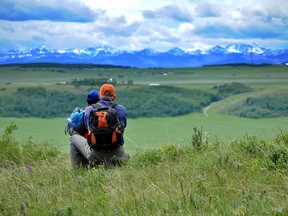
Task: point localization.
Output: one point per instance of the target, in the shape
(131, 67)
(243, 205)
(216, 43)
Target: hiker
(75, 123)
(82, 149)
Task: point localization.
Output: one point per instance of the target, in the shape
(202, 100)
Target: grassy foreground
(245, 177)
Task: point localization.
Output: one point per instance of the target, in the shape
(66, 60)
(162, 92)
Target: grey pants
(81, 154)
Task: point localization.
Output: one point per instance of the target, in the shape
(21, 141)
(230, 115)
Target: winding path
(207, 108)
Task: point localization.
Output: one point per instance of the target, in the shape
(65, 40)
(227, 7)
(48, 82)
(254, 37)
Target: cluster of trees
(233, 88)
(142, 101)
(263, 106)
(163, 101)
(38, 102)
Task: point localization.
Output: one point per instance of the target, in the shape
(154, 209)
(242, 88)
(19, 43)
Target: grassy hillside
(245, 177)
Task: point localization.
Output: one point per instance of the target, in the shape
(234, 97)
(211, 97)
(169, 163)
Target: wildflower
(30, 168)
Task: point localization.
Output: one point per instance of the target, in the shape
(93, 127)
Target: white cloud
(186, 29)
(139, 24)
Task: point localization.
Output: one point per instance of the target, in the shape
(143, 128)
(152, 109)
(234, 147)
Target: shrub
(252, 146)
(199, 139)
(9, 149)
(278, 155)
(173, 151)
(12, 152)
(35, 152)
(282, 138)
(148, 157)
(272, 155)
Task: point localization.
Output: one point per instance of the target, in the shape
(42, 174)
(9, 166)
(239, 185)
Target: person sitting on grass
(93, 149)
(75, 123)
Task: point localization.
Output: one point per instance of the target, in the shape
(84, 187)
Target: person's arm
(87, 116)
(122, 116)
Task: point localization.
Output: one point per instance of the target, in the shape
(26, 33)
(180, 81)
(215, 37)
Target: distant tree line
(61, 65)
(142, 101)
(146, 101)
(38, 102)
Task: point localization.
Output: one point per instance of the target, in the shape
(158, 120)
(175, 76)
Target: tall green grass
(245, 177)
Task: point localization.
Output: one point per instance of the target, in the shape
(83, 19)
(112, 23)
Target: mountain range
(149, 58)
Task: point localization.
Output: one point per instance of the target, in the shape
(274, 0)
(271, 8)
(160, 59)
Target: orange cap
(108, 90)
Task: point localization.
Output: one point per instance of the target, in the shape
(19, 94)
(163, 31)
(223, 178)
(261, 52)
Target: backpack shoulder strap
(112, 105)
(97, 106)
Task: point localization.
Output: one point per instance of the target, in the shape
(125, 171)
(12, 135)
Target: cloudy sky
(139, 24)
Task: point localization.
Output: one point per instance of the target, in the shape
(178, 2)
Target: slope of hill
(246, 177)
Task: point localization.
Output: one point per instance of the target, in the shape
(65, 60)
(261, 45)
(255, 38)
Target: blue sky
(139, 24)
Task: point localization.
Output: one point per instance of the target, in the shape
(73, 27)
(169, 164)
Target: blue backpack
(76, 122)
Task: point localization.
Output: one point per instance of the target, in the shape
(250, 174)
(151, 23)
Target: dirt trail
(205, 110)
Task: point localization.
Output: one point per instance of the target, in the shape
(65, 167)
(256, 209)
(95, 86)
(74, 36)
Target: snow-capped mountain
(176, 51)
(176, 57)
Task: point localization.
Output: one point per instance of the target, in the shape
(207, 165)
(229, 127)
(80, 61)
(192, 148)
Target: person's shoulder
(119, 106)
(88, 109)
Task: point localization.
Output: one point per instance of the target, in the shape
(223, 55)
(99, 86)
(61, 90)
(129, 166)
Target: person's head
(107, 91)
(93, 97)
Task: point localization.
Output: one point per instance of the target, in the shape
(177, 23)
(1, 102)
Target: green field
(153, 132)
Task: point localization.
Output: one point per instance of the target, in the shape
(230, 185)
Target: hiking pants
(82, 154)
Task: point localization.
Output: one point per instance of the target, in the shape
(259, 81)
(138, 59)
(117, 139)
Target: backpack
(104, 128)
(76, 122)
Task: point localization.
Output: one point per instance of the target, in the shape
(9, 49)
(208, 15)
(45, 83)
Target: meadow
(152, 132)
(202, 163)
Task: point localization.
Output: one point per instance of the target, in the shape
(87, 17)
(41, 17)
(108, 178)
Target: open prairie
(153, 132)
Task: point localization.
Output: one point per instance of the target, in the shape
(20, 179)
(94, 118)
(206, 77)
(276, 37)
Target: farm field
(174, 76)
